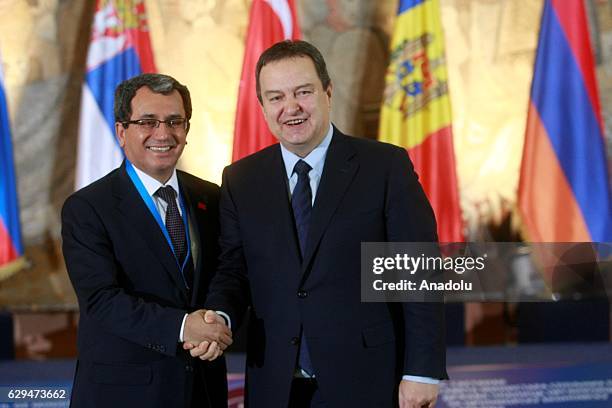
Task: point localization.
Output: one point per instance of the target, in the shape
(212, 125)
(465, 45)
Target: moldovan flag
(564, 189)
(11, 249)
(416, 111)
(119, 49)
(270, 21)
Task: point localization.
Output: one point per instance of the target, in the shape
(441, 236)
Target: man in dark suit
(141, 248)
(293, 217)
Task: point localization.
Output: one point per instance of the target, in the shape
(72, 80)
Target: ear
(120, 133)
(329, 90)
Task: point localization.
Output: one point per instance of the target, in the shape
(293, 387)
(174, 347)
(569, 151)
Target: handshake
(206, 334)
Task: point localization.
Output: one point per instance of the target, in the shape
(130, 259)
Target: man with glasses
(140, 246)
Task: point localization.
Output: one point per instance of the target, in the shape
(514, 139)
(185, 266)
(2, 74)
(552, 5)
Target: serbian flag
(416, 111)
(119, 49)
(270, 21)
(11, 249)
(564, 189)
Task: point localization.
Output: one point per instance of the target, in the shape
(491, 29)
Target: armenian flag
(564, 188)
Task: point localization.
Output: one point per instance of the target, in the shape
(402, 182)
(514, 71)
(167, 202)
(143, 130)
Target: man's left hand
(417, 395)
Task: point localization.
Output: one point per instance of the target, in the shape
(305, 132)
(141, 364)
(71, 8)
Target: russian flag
(120, 48)
(564, 189)
(270, 21)
(11, 249)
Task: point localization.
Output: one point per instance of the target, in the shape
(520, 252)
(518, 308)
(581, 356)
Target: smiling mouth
(295, 122)
(159, 149)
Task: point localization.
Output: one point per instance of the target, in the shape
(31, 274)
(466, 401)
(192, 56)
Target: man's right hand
(205, 326)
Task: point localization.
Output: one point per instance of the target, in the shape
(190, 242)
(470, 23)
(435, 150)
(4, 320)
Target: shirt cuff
(419, 379)
(224, 315)
(182, 329)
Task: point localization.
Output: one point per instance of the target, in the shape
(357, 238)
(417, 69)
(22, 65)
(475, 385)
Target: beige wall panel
(490, 49)
(201, 43)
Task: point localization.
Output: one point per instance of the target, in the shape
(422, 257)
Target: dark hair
(158, 83)
(292, 49)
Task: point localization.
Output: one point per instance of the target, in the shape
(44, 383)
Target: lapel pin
(202, 206)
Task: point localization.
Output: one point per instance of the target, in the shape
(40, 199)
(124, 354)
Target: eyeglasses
(150, 123)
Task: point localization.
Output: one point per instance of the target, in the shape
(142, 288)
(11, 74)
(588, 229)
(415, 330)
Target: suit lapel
(198, 224)
(338, 172)
(134, 209)
(278, 203)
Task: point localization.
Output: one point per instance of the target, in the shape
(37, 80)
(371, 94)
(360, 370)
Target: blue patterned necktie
(301, 201)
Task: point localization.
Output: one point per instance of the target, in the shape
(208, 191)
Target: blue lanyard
(153, 209)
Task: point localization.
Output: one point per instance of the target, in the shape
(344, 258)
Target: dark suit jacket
(131, 296)
(368, 192)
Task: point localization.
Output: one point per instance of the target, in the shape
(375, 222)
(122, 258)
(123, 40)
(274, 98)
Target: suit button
(302, 294)
(295, 341)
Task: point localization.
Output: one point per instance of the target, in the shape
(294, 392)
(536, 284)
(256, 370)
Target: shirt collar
(152, 185)
(315, 159)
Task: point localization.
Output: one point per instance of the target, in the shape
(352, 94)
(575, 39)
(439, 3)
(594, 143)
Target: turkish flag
(270, 21)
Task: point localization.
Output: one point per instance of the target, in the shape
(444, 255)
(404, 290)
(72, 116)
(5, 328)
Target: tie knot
(166, 193)
(301, 168)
